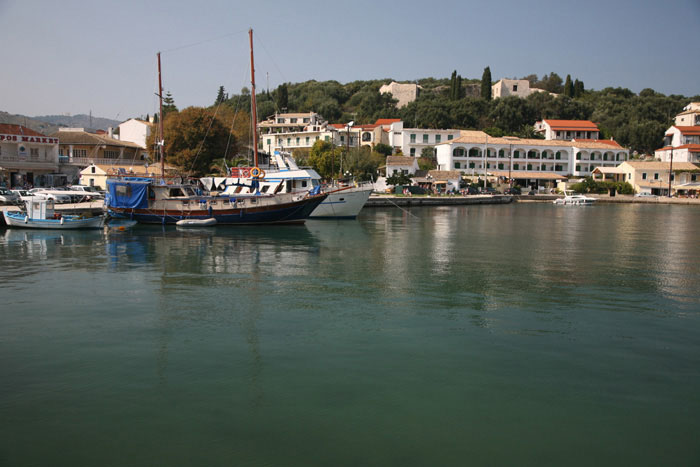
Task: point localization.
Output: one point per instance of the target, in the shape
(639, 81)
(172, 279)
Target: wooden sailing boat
(150, 201)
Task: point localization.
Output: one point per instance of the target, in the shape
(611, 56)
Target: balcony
(85, 161)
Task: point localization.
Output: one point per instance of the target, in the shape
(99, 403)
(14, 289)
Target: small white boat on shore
(40, 214)
(571, 198)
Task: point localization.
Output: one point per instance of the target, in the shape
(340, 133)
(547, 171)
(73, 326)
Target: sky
(75, 56)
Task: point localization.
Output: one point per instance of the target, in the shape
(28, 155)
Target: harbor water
(522, 334)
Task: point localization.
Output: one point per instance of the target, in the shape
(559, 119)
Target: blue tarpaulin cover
(127, 193)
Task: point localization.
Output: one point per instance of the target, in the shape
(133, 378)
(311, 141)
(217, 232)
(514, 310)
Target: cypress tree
(568, 87)
(453, 85)
(486, 84)
(460, 90)
(578, 88)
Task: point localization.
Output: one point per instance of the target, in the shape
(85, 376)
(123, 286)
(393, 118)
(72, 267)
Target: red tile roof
(689, 130)
(386, 121)
(690, 147)
(572, 125)
(10, 129)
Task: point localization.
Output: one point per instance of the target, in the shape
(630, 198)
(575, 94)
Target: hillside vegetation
(637, 121)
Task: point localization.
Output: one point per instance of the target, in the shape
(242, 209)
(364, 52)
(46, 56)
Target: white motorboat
(283, 175)
(40, 214)
(575, 199)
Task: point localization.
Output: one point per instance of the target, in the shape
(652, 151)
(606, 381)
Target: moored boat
(145, 201)
(572, 198)
(283, 175)
(40, 214)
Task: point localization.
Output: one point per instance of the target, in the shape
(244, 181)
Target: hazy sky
(74, 56)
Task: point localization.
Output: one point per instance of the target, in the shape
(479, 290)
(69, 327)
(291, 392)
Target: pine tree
(568, 87)
(168, 104)
(220, 96)
(486, 84)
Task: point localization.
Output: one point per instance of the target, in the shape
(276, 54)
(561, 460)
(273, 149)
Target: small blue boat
(40, 214)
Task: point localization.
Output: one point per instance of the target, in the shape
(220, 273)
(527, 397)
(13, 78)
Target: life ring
(245, 173)
(255, 172)
(262, 174)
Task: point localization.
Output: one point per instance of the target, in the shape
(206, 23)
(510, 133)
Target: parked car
(489, 191)
(25, 195)
(8, 197)
(513, 191)
(470, 190)
(57, 195)
(89, 192)
(645, 194)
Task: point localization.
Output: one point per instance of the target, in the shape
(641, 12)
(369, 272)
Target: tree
(578, 89)
(399, 178)
(486, 84)
(383, 149)
(221, 96)
(282, 97)
(324, 157)
(568, 87)
(168, 104)
(194, 138)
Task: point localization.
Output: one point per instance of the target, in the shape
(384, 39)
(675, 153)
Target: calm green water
(491, 335)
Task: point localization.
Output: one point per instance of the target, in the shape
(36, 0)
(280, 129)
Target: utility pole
(486, 153)
(670, 172)
(510, 165)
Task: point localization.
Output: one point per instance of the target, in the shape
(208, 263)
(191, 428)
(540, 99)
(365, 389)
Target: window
(34, 152)
(327, 138)
(449, 137)
(558, 155)
(458, 152)
(269, 141)
(425, 139)
(413, 152)
(111, 154)
(578, 168)
(516, 166)
(578, 156)
(79, 152)
(457, 165)
(529, 166)
(92, 169)
(292, 120)
(516, 154)
(500, 166)
(515, 88)
(366, 136)
(413, 138)
(289, 141)
(656, 176)
(306, 120)
(438, 138)
(644, 175)
(558, 168)
(298, 139)
(501, 153)
(471, 165)
(673, 177)
(342, 138)
(307, 140)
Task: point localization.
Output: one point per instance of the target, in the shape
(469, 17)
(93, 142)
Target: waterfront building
(513, 87)
(412, 141)
(444, 181)
(401, 164)
(27, 157)
(403, 93)
(135, 131)
(653, 176)
(682, 143)
(97, 175)
(567, 130)
(531, 162)
(690, 116)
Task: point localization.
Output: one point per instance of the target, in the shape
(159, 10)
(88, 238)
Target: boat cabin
(40, 209)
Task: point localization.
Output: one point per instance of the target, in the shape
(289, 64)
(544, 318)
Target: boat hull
(343, 204)
(295, 212)
(16, 219)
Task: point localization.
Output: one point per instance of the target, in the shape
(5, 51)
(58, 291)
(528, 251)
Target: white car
(25, 195)
(8, 197)
(57, 195)
(89, 192)
(645, 194)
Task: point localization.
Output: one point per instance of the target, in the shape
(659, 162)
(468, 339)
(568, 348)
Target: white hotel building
(529, 160)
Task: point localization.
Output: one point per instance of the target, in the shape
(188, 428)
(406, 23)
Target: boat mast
(255, 110)
(161, 139)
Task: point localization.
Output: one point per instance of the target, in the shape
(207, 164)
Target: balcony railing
(85, 161)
